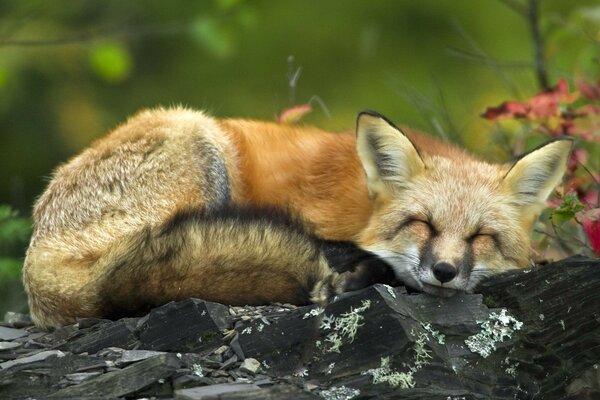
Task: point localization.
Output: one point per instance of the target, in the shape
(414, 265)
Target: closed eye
(416, 220)
(483, 233)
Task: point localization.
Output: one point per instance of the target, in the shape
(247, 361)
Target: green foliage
(10, 268)
(14, 235)
(14, 231)
(3, 76)
(213, 36)
(568, 209)
(111, 61)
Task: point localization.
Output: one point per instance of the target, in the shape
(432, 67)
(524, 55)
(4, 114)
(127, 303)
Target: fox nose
(444, 272)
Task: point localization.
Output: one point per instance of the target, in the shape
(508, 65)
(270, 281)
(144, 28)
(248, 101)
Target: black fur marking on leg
(360, 268)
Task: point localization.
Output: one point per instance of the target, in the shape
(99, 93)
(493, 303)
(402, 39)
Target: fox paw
(328, 288)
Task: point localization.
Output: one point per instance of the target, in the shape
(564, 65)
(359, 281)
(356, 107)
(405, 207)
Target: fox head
(444, 223)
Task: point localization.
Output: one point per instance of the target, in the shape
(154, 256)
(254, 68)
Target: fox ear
(532, 178)
(389, 159)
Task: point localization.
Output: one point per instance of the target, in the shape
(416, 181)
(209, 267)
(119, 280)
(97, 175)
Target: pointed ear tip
(368, 114)
(565, 143)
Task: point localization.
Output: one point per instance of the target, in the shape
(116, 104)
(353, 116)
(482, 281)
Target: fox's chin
(438, 291)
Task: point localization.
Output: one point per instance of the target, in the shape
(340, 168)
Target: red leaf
(589, 91)
(591, 225)
(512, 109)
(545, 104)
(294, 114)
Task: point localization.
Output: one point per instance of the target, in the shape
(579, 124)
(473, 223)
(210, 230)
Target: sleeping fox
(175, 204)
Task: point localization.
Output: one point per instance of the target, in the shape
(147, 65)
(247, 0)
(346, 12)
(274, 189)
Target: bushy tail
(232, 256)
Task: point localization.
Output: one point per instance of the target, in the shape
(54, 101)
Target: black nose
(444, 272)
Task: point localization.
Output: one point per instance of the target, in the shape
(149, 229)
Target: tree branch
(538, 45)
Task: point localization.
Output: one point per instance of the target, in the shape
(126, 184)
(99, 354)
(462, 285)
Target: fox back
(175, 204)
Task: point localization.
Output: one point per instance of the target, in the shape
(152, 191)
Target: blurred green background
(70, 71)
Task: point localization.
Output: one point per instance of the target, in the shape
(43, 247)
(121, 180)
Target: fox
(175, 203)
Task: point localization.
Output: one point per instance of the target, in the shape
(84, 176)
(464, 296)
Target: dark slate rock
(213, 391)
(32, 358)
(554, 354)
(281, 392)
(126, 381)
(559, 305)
(189, 325)
(237, 349)
(384, 328)
(38, 379)
(285, 344)
(131, 356)
(78, 377)
(9, 345)
(100, 336)
(189, 381)
(85, 323)
(11, 333)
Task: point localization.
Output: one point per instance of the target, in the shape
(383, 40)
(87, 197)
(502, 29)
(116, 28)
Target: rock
(39, 377)
(100, 336)
(189, 325)
(250, 365)
(234, 345)
(126, 381)
(11, 333)
(79, 377)
(213, 391)
(529, 334)
(284, 343)
(229, 362)
(131, 356)
(281, 392)
(30, 359)
(9, 345)
(189, 381)
(558, 304)
(84, 323)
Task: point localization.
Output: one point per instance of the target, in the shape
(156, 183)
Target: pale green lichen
(344, 327)
(315, 312)
(335, 343)
(385, 374)
(330, 368)
(439, 337)
(422, 355)
(511, 369)
(390, 290)
(302, 372)
(339, 393)
(404, 380)
(495, 329)
(562, 323)
(197, 370)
